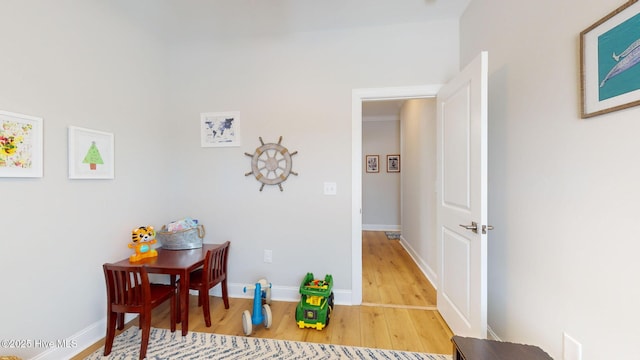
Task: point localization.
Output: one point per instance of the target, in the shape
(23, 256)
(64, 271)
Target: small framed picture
(220, 129)
(609, 57)
(393, 163)
(21, 145)
(91, 154)
(372, 163)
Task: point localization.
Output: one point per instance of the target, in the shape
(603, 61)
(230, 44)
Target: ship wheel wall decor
(271, 164)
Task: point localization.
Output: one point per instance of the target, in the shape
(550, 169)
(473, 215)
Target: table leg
(172, 281)
(184, 301)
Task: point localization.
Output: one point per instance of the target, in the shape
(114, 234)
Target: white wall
(299, 86)
(105, 65)
(563, 191)
(381, 190)
(418, 127)
(76, 63)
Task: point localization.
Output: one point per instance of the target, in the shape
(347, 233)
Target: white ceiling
(306, 15)
(192, 19)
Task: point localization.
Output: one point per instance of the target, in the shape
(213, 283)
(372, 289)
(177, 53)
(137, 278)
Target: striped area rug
(166, 345)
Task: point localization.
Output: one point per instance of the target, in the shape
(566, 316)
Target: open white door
(462, 200)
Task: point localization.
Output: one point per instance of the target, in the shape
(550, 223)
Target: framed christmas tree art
(90, 154)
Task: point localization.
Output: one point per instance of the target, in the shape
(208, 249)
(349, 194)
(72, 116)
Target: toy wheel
(326, 322)
(267, 296)
(330, 309)
(246, 322)
(266, 310)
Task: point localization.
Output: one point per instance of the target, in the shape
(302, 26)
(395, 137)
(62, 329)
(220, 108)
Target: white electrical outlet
(330, 188)
(268, 256)
(572, 348)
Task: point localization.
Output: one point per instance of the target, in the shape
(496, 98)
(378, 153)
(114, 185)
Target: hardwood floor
(398, 310)
(390, 276)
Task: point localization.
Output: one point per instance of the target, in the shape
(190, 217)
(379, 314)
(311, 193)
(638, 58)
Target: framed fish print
(21, 145)
(91, 154)
(609, 60)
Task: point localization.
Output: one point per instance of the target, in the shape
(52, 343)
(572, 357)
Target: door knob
(486, 227)
(473, 227)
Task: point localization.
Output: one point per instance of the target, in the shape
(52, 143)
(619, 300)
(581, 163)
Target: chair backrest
(215, 264)
(128, 288)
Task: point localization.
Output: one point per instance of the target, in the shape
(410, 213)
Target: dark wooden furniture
(211, 274)
(129, 291)
(176, 263)
(480, 349)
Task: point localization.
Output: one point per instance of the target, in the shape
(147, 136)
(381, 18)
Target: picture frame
(21, 145)
(372, 163)
(91, 154)
(220, 129)
(609, 54)
(393, 163)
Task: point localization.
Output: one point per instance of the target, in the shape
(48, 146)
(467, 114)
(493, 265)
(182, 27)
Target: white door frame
(357, 97)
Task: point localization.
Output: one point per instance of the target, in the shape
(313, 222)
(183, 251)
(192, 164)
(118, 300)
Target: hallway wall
(381, 190)
(418, 128)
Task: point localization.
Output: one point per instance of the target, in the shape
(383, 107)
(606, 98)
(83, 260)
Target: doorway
(358, 97)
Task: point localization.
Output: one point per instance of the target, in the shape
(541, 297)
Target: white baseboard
(379, 227)
(432, 277)
(424, 267)
(95, 332)
(281, 293)
(76, 342)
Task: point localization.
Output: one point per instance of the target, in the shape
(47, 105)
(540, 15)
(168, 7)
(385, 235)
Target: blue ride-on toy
(261, 312)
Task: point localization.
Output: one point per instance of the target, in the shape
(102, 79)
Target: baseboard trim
(422, 265)
(76, 343)
(380, 227)
(95, 332)
(393, 306)
(280, 293)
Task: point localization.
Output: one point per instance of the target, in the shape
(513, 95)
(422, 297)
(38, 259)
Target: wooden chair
(129, 291)
(213, 272)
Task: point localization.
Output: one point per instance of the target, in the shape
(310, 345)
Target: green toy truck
(316, 304)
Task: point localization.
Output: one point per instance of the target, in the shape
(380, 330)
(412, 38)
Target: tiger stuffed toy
(141, 240)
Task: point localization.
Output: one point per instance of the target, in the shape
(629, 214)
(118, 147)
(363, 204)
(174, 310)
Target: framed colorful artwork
(91, 154)
(372, 163)
(21, 145)
(393, 163)
(220, 129)
(609, 57)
